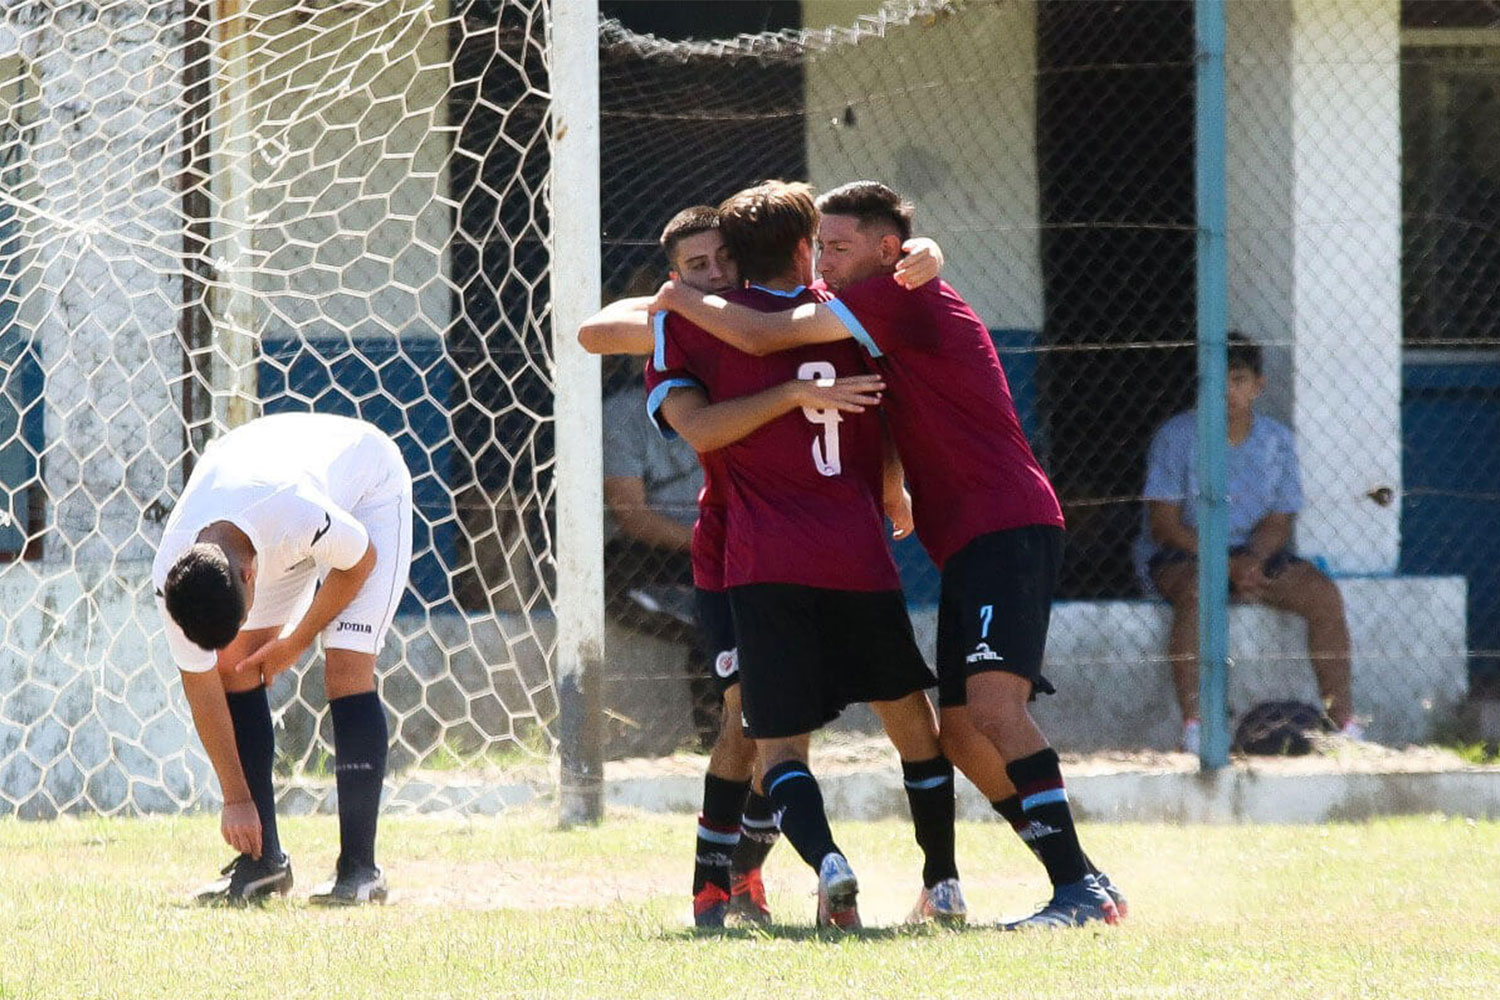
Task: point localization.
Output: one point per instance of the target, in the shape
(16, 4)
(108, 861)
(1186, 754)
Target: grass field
(513, 907)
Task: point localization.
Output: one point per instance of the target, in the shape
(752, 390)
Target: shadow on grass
(796, 932)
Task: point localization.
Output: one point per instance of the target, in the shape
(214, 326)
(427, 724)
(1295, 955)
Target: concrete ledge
(1108, 660)
(1281, 792)
(1235, 795)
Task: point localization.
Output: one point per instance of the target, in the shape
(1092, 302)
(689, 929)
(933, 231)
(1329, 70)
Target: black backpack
(1281, 729)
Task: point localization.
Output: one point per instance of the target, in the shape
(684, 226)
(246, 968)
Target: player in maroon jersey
(818, 611)
(737, 825)
(982, 505)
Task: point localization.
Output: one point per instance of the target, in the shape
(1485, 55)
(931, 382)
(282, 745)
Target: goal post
(580, 527)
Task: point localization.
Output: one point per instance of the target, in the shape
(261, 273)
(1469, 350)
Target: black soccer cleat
(247, 880)
(355, 887)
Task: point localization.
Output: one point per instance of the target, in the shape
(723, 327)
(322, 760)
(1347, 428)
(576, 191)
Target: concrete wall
(1259, 164)
(93, 717)
(352, 210)
(943, 110)
(1410, 666)
(100, 282)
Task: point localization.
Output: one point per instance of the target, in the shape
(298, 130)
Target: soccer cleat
(1072, 905)
(710, 904)
(246, 880)
(942, 903)
(747, 899)
(837, 888)
(1113, 892)
(359, 885)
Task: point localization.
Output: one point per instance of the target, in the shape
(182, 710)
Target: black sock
(1049, 829)
(792, 787)
(929, 790)
(360, 742)
(760, 828)
(255, 740)
(718, 830)
(1010, 810)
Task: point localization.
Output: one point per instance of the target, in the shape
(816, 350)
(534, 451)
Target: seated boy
(1265, 493)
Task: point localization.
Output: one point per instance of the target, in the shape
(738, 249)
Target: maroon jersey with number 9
(802, 493)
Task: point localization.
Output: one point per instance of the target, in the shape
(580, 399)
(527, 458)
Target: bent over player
(297, 519)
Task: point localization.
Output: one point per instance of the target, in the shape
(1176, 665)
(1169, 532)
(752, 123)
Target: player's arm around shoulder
(751, 330)
(710, 426)
(921, 261)
(622, 327)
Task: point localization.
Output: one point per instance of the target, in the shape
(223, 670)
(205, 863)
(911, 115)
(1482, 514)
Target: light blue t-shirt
(1263, 479)
(633, 447)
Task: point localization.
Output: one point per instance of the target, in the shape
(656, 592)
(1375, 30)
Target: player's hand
(898, 509)
(850, 394)
(270, 660)
(921, 261)
(667, 297)
(240, 826)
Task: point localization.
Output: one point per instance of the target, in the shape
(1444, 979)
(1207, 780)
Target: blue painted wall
(1450, 517)
(402, 388)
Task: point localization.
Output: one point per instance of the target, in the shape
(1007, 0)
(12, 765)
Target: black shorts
(806, 653)
(995, 606)
(716, 631)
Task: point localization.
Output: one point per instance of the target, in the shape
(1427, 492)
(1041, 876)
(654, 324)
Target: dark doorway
(1115, 151)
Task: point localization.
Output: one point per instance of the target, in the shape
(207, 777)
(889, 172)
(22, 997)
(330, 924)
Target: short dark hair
(871, 202)
(689, 222)
(203, 597)
(1244, 352)
(762, 226)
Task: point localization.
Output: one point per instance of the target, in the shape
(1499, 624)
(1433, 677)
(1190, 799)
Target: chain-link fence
(208, 210)
(1049, 148)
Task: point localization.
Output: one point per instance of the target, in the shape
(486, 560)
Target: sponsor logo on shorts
(355, 627)
(727, 663)
(983, 652)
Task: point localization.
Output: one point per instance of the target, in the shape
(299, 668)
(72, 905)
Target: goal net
(211, 211)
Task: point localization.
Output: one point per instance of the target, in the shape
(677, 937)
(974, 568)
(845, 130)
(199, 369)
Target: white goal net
(210, 211)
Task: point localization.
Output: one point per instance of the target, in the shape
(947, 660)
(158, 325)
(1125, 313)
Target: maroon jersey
(708, 530)
(802, 493)
(968, 464)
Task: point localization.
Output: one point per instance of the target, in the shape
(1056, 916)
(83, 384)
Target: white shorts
(386, 514)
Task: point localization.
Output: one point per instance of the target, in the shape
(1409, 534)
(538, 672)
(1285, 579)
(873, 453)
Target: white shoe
(942, 903)
(1191, 740)
(363, 884)
(1353, 732)
(837, 889)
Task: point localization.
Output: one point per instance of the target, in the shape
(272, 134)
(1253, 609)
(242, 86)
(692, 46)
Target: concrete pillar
(1346, 121)
(1314, 246)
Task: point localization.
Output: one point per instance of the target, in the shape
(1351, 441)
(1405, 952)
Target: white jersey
(290, 482)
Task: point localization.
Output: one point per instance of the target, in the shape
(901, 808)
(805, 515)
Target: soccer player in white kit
(292, 527)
